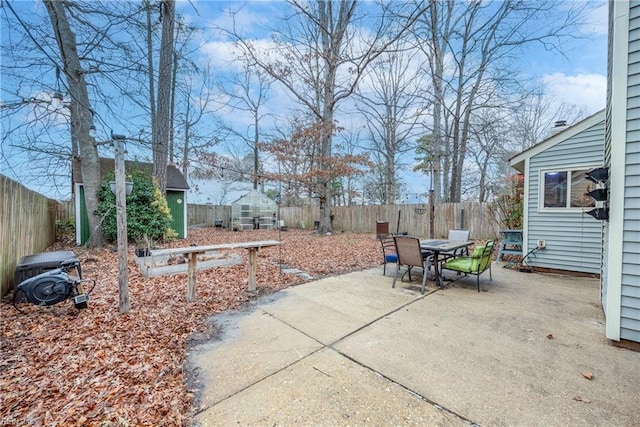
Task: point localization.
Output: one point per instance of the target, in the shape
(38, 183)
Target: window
(566, 189)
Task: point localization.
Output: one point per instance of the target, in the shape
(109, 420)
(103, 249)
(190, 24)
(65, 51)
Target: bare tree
(534, 116)
(319, 58)
(393, 106)
(164, 121)
(489, 135)
(481, 39)
(196, 108)
(247, 92)
(81, 115)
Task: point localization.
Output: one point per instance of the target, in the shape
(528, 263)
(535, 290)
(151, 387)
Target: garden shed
(555, 205)
(254, 210)
(176, 196)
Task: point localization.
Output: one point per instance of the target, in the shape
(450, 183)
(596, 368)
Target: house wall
(573, 238)
(621, 283)
(630, 301)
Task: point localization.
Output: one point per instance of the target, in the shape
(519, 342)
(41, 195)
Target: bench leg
(191, 277)
(253, 261)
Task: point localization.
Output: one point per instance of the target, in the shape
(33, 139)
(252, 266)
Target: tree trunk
(437, 71)
(151, 77)
(174, 79)
(256, 142)
(163, 120)
(187, 142)
(81, 116)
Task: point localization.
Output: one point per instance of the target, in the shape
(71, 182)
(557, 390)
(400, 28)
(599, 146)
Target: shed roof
(175, 179)
(253, 196)
(517, 161)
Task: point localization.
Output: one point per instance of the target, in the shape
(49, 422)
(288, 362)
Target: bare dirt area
(64, 366)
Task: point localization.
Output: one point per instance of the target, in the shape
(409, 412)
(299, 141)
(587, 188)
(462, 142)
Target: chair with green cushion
(477, 263)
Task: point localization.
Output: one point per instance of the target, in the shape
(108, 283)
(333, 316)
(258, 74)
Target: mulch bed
(63, 366)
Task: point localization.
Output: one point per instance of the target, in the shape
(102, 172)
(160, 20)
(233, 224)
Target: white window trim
(569, 170)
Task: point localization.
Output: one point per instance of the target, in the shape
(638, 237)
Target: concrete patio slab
(252, 347)
(325, 389)
(350, 350)
(512, 356)
(338, 305)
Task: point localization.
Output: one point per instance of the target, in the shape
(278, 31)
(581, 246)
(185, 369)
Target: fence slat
(27, 226)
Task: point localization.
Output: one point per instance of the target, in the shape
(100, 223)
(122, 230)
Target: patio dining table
(438, 247)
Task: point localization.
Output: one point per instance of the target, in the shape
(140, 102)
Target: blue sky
(579, 78)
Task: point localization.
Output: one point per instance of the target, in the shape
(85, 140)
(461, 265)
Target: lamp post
(121, 222)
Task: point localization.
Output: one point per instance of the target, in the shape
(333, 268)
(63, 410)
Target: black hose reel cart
(49, 278)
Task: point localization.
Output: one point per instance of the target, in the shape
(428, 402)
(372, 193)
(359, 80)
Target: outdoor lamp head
(599, 194)
(598, 175)
(128, 187)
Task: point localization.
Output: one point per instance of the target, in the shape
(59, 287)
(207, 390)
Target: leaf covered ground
(63, 366)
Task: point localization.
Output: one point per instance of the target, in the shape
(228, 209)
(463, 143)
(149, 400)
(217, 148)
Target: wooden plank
(253, 267)
(192, 253)
(191, 277)
(202, 249)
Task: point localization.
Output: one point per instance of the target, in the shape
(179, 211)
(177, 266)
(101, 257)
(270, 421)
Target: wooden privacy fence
(207, 215)
(27, 226)
(413, 219)
(28, 221)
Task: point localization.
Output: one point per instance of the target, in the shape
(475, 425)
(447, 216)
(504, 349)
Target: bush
(148, 215)
(508, 206)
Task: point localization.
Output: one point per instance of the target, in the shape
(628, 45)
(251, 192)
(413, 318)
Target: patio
(350, 350)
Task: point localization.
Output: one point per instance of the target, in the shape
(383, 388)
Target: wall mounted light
(128, 187)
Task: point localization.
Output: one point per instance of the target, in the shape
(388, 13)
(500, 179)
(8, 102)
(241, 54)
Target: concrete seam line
(406, 304)
(323, 346)
(257, 382)
(425, 398)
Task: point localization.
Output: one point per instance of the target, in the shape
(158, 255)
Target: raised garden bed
(164, 265)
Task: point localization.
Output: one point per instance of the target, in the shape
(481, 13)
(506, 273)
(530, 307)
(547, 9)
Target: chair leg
(478, 281)
(395, 276)
(384, 268)
(424, 276)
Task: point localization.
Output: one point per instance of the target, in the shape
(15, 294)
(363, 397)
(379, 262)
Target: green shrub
(148, 215)
(65, 229)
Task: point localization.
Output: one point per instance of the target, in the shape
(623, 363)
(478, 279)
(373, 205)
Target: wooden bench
(192, 252)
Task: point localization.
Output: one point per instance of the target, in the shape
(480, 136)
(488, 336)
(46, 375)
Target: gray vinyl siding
(604, 277)
(573, 238)
(630, 302)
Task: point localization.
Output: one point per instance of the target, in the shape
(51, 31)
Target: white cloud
(583, 90)
(221, 54)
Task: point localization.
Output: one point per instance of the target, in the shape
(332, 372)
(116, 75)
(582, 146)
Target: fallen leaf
(588, 375)
(581, 399)
(112, 368)
(550, 336)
